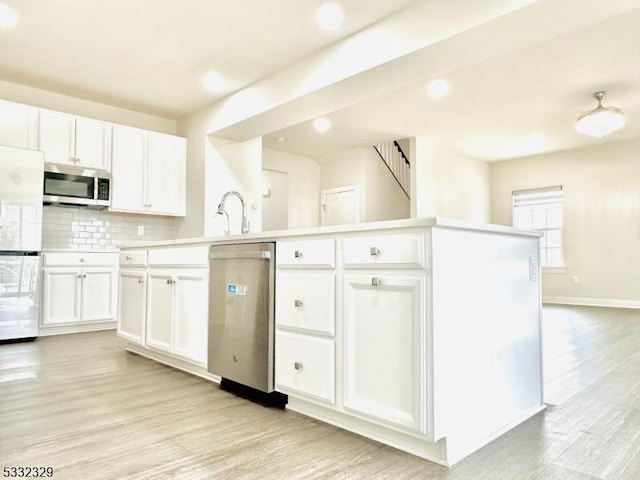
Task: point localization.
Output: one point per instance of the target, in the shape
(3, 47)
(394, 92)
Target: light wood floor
(83, 405)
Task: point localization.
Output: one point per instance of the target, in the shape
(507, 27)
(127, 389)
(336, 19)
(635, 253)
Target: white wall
(601, 218)
(78, 106)
(381, 198)
(447, 183)
(303, 186)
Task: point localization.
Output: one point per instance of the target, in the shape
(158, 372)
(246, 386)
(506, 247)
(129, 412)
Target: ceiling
(150, 56)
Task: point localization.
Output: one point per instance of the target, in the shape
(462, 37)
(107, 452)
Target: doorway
(340, 206)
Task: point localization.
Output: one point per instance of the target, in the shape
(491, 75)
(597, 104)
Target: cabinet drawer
(306, 253)
(387, 251)
(135, 258)
(305, 365)
(306, 301)
(78, 259)
(180, 256)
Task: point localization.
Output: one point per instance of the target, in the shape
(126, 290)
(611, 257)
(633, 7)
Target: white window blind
(541, 209)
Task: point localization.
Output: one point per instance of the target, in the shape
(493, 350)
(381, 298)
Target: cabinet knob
(374, 251)
(140, 281)
(79, 275)
(82, 260)
(169, 281)
(127, 258)
(375, 281)
(297, 303)
(297, 254)
(297, 365)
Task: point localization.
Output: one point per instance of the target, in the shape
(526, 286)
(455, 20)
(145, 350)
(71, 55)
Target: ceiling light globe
(329, 16)
(600, 122)
(321, 124)
(8, 17)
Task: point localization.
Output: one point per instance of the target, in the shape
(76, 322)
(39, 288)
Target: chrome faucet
(221, 211)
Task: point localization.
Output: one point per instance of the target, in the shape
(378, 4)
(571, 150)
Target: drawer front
(387, 251)
(180, 256)
(305, 365)
(306, 301)
(134, 258)
(78, 259)
(306, 253)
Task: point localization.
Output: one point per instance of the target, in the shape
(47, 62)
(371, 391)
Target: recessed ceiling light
(437, 89)
(329, 16)
(321, 124)
(213, 81)
(280, 139)
(8, 17)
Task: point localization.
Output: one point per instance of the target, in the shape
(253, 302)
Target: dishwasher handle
(250, 255)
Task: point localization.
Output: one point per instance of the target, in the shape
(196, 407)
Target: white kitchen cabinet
(132, 304)
(78, 289)
(384, 251)
(72, 140)
(305, 365)
(148, 172)
(384, 344)
(177, 312)
(18, 125)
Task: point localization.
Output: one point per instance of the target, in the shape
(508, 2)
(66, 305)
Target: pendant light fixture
(600, 121)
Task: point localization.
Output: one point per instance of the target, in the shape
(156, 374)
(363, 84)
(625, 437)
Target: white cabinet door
(305, 365)
(128, 169)
(132, 305)
(61, 296)
(160, 302)
(92, 143)
(165, 180)
(98, 294)
(384, 345)
(306, 301)
(18, 125)
(191, 314)
(57, 137)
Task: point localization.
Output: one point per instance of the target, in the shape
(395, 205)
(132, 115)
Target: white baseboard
(46, 330)
(593, 302)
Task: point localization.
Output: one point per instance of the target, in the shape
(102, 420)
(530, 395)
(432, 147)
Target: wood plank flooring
(83, 405)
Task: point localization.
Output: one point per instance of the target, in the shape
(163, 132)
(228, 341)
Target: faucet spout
(221, 209)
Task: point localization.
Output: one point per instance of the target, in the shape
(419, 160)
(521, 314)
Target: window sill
(555, 269)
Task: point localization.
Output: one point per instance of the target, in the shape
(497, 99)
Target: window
(541, 209)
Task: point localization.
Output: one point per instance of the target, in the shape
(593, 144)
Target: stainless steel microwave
(76, 186)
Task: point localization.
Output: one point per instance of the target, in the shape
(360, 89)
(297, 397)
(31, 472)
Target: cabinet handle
(297, 254)
(375, 281)
(297, 365)
(374, 251)
(297, 303)
(140, 281)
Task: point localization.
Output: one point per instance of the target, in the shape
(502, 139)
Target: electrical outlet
(140, 230)
(575, 280)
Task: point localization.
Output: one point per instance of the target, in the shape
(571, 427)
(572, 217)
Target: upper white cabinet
(71, 140)
(18, 125)
(148, 172)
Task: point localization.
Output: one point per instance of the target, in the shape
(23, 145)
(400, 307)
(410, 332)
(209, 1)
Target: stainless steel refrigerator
(21, 177)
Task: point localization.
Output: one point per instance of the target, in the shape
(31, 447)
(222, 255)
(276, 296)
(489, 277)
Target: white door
(98, 294)
(340, 206)
(160, 311)
(384, 345)
(56, 134)
(61, 296)
(132, 304)
(18, 125)
(165, 174)
(128, 169)
(191, 314)
(93, 143)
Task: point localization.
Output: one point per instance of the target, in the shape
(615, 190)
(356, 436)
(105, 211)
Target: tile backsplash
(86, 229)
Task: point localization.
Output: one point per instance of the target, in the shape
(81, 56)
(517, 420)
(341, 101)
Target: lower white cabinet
(76, 294)
(177, 312)
(132, 304)
(384, 344)
(305, 364)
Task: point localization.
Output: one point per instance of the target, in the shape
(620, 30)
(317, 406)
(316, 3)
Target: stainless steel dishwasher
(241, 314)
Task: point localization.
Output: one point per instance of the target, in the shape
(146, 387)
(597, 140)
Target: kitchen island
(423, 334)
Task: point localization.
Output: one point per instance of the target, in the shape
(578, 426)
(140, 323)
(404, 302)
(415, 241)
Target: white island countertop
(356, 227)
